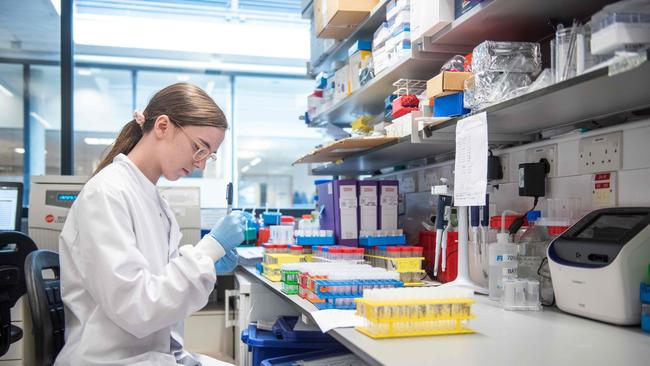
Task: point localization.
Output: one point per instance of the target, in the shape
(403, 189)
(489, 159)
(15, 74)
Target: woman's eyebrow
(205, 143)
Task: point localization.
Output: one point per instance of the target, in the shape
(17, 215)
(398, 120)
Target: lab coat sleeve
(118, 276)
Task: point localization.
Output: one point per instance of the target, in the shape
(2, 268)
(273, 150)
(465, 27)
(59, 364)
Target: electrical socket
(600, 153)
(548, 152)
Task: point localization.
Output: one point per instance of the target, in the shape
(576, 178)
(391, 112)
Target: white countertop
(545, 338)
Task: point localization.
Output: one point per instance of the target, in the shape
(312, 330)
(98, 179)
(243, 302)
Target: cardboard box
(339, 18)
(446, 83)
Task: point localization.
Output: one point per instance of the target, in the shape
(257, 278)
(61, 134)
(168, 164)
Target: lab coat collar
(149, 188)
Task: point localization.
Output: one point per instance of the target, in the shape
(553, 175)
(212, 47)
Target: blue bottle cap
(533, 215)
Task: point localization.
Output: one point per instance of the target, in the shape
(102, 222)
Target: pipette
(444, 236)
(474, 223)
(229, 198)
(443, 202)
(484, 227)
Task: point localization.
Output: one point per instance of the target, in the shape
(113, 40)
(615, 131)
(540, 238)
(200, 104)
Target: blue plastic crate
(645, 293)
(315, 240)
(645, 322)
(283, 327)
(449, 105)
(265, 344)
(359, 283)
(307, 356)
(334, 304)
(371, 241)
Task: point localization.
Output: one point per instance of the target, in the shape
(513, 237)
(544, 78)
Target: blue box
(315, 240)
(449, 105)
(645, 293)
(645, 318)
(371, 241)
(271, 218)
(264, 345)
(283, 328)
(360, 45)
(307, 356)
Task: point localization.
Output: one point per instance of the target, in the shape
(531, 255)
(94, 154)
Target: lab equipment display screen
(67, 197)
(610, 227)
(10, 206)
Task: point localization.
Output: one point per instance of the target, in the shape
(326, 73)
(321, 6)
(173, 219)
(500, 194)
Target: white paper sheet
(333, 318)
(250, 252)
(470, 175)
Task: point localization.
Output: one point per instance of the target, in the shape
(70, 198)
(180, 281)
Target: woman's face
(180, 157)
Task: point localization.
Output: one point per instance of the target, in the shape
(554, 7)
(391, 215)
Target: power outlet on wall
(548, 152)
(600, 153)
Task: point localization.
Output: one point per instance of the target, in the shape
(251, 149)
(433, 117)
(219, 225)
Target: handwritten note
(470, 176)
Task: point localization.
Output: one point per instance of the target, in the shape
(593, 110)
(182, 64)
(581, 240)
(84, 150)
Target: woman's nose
(199, 164)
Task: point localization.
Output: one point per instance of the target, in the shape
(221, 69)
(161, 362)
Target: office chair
(14, 248)
(46, 305)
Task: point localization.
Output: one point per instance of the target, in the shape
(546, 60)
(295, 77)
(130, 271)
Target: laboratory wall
(629, 183)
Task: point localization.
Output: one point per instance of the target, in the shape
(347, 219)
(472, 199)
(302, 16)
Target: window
(11, 122)
(103, 103)
(45, 117)
(269, 138)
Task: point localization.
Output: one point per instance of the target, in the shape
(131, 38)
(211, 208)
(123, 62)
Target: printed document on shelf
(470, 167)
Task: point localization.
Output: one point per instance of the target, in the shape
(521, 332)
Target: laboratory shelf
(369, 99)
(583, 101)
(533, 338)
(509, 20)
(339, 51)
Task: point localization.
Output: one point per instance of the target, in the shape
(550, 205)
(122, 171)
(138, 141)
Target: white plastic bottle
(503, 264)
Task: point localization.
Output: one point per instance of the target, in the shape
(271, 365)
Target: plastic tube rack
(401, 312)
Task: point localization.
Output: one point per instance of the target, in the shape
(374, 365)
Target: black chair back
(14, 248)
(46, 305)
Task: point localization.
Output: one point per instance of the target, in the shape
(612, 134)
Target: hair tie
(138, 116)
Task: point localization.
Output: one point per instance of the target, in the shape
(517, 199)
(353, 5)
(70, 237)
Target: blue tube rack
(371, 241)
(360, 284)
(315, 240)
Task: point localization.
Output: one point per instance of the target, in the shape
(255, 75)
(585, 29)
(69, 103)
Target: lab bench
(547, 337)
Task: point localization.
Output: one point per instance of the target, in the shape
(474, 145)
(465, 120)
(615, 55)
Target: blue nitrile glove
(227, 263)
(229, 231)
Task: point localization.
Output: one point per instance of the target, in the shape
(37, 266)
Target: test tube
(417, 251)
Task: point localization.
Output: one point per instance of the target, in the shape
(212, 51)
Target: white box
(368, 205)
(429, 16)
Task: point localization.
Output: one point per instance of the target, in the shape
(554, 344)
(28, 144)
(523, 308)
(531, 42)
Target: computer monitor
(11, 205)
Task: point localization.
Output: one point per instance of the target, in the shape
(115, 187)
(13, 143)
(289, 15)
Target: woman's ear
(162, 126)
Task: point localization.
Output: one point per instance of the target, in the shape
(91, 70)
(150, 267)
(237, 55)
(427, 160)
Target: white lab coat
(125, 284)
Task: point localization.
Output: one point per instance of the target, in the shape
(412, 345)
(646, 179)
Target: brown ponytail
(185, 104)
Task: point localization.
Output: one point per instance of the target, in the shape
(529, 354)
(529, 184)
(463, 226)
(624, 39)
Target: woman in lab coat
(125, 283)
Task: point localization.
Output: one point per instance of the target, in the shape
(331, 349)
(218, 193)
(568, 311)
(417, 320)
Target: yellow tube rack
(409, 264)
(410, 318)
(272, 271)
(280, 259)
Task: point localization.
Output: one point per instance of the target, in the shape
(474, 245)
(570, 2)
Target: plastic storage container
(283, 328)
(307, 356)
(265, 344)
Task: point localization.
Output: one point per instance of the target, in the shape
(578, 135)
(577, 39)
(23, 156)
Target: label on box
(348, 211)
(389, 202)
(368, 207)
